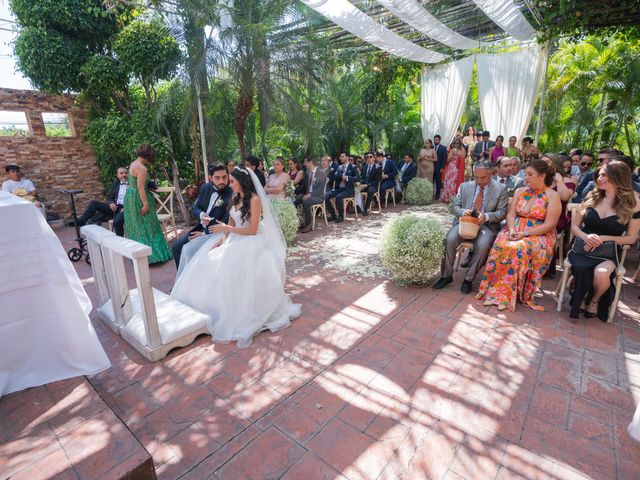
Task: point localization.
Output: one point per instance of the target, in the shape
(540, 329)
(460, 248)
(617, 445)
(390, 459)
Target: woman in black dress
(611, 213)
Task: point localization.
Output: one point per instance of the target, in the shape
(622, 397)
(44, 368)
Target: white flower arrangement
(287, 217)
(290, 189)
(412, 248)
(419, 191)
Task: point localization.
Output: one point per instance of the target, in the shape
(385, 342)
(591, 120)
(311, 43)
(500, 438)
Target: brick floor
(373, 381)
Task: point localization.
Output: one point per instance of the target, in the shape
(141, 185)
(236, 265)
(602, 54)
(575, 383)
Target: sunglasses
(600, 160)
(584, 164)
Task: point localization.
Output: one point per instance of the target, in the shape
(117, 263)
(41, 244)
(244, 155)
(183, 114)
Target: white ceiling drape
(444, 95)
(507, 15)
(412, 13)
(347, 16)
(508, 85)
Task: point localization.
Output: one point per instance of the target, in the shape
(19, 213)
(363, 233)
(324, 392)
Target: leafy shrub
(412, 248)
(419, 191)
(288, 218)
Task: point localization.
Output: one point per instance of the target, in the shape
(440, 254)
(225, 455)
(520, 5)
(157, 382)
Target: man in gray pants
(490, 200)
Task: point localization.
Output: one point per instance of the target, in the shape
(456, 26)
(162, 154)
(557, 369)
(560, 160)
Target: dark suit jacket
(112, 196)
(333, 166)
(409, 172)
(441, 156)
(477, 150)
(219, 213)
(260, 175)
(497, 203)
(352, 176)
(371, 175)
(319, 180)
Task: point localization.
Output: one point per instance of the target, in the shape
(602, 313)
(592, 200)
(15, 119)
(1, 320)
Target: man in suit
(504, 168)
(253, 163)
(408, 171)
(210, 207)
(489, 199)
(370, 180)
(315, 180)
(482, 146)
(441, 162)
(344, 178)
(113, 209)
(389, 172)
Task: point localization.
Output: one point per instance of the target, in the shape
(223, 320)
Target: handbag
(606, 251)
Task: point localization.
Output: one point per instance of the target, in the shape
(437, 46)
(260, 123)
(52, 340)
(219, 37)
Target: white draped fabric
(508, 85)
(444, 94)
(45, 331)
(412, 13)
(344, 14)
(507, 15)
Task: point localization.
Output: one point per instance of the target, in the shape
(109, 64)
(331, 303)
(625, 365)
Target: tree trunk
(175, 177)
(629, 142)
(195, 153)
(243, 110)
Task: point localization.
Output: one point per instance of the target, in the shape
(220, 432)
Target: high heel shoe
(591, 309)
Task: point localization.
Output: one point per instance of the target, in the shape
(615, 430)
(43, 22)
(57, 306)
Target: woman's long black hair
(241, 175)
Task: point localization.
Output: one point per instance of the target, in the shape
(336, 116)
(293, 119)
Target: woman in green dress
(140, 220)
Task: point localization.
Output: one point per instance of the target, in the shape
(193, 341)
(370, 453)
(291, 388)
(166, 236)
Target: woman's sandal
(591, 309)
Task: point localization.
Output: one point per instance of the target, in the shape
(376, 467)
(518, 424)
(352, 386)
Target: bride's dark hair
(241, 175)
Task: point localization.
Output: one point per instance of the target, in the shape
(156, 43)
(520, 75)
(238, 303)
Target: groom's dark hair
(215, 167)
(255, 161)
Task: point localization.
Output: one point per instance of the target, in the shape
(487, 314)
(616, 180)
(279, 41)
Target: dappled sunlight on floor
(375, 381)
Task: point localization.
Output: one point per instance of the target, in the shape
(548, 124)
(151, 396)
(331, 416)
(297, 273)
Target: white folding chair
(164, 210)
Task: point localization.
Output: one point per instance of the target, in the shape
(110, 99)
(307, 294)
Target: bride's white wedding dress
(239, 284)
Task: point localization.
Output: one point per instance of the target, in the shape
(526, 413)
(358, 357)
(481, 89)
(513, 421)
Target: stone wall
(52, 163)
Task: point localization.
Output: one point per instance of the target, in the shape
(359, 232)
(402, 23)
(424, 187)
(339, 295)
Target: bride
(237, 275)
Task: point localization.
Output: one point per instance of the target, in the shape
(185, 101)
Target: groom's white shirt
(212, 200)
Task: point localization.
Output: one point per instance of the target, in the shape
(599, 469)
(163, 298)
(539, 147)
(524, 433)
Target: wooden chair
(349, 201)
(376, 198)
(392, 192)
(464, 245)
(164, 199)
(319, 207)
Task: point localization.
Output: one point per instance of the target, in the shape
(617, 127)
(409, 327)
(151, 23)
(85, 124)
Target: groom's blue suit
(217, 213)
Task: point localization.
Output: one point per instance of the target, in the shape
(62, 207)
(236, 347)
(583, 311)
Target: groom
(210, 207)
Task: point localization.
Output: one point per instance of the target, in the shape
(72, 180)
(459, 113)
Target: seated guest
(370, 180)
(296, 175)
(21, 187)
(522, 251)
(254, 164)
(408, 170)
(230, 166)
(489, 200)
(482, 146)
(277, 181)
(99, 211)
(344, 177)
(512, 150)
(635, 186)
(584, 166)
(315, 180)
(575, 155)
(604, 156)
(528, 148)
(516, 168)
(504, 169)
(210, 208)
(497, 150)
(389, 172)
(608, 212)
(325, 164)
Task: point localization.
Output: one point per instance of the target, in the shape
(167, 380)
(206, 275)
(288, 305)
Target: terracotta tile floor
(377, 381)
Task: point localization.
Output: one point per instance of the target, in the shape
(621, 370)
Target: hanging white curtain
(444, 94)
(508, 85)
(412, 13)
(507, 15)
(344, 14)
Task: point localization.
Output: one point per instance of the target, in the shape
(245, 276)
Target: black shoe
(359, 210)
(339, 219)
(466, 287)
(467, 261)
(365, 213)
(331, 218)
(443, 282)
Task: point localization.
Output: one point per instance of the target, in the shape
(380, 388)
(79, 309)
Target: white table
(45, 331)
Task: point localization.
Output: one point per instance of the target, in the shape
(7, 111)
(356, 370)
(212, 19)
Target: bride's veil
(274, 238)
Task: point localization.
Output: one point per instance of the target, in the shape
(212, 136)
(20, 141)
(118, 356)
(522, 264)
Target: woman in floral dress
(454, 173)
(522, 251)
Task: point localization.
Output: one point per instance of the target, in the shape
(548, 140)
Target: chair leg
(635, 275)
(614, 304)
(456, 261)
(314, 212)
(562, 286)
(324, 214)
(379, 205)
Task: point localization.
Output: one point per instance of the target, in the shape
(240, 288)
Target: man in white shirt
(21, 187)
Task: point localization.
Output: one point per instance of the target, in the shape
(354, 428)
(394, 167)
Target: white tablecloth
(45, 332)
